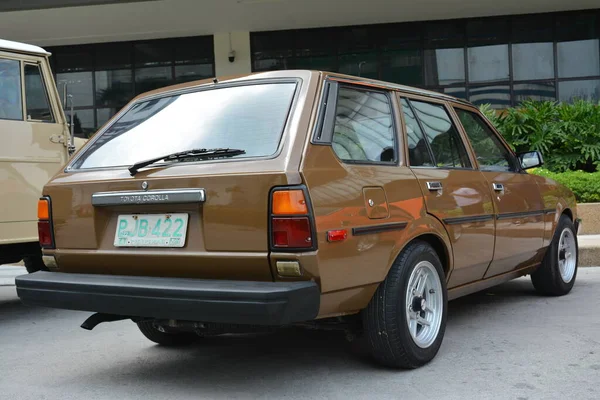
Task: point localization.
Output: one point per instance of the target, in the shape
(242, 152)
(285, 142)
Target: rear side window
(364, 128)
(249, 118)
(36, 96)
(446, 144)
(11, 105)
(418, 149)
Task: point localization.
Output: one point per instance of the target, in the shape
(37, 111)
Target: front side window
(11, 106)
(249, 118)
(446, 144)
(490, 152)
(36, 97)
(364, 128)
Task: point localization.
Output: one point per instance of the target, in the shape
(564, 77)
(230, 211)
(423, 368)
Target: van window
(248, 117)
(364, 129)
(36, 97)
(446, 144)
(11, 105)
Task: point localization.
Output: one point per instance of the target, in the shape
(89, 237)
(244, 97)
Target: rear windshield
(250, 118)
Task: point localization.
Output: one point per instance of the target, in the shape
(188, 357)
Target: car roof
(279, 74)
(22, 48)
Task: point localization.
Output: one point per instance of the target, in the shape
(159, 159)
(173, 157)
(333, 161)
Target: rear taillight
(291, 222)
(45, 231)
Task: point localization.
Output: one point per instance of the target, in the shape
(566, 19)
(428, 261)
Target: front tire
(171, 339)
(405, 321)
(556, 276)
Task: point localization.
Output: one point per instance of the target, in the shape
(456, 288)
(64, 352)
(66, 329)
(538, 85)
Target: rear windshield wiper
(203, 154)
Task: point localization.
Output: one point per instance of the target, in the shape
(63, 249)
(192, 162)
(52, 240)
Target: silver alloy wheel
(424, 304)
(567, 255)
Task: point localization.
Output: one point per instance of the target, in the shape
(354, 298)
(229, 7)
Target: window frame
(449, 111)
(327, 107)
(45, 87)
(453, 106)
(7, 56)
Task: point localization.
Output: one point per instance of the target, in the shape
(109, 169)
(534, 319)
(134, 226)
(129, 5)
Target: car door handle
(498, 187)
(434, 186)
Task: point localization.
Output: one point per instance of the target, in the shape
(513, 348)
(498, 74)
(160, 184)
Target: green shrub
(585, 185)
(567, 135)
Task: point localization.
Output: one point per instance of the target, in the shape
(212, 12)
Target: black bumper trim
(236, 302)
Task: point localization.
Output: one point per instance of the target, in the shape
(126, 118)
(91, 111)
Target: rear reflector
(294, 233)
(337, 235)
(45, 233)
(289, 202)
(43, 209)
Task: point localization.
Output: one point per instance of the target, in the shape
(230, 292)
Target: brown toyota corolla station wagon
(298, 198)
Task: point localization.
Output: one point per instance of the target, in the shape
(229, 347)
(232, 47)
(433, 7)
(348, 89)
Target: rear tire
(405, 321)
(171, 339)
(34, 264)
(556, 276)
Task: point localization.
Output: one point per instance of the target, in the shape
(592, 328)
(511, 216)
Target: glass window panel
(418, 152)
(271, 50)
(487, 31)
(147, 79)
(80, 85)
(574, 90)
(113, 55)
(83, 123)
(400, 36)
(445, 34)
(187, 73)
(72, 58)
(114, 87)
(403, 66)
(498, 96)
(576, 26)
(194, 50)
(104, 114)
(363, 129)
(319, 63)
(36, 96)
(491, 154)
(315, 42)
(488, 63)
(444, 67)
(532, 28)
(533, 61)
(156, 52)
(356, 39)
(361, 64)
(540, 91)
(11, 104)
(445, 142)
(579, 58)
(459, 92)
(271, 64)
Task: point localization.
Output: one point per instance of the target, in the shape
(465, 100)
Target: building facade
(548, 53)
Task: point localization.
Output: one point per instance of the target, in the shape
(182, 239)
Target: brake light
(45, 231)
(291, 222)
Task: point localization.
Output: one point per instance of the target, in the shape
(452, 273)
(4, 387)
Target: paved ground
(505, 344)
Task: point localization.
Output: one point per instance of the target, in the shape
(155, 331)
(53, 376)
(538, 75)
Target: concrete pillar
(240, 43)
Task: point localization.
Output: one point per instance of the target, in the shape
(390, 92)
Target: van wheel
(152, 332)
(34, 264)
(405, 321)
(556, 276)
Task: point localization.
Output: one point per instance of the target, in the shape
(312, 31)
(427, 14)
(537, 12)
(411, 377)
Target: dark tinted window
(418, 151)
(445, 142)
(364, 129)
(489, 150)
(250, 118)
(11, 106)
(36, 96)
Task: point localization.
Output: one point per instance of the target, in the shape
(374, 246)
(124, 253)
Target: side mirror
(530, 159)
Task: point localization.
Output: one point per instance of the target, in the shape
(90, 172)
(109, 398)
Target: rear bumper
(236, 302)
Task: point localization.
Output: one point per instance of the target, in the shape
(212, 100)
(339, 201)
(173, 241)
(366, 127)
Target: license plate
(151, 230)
